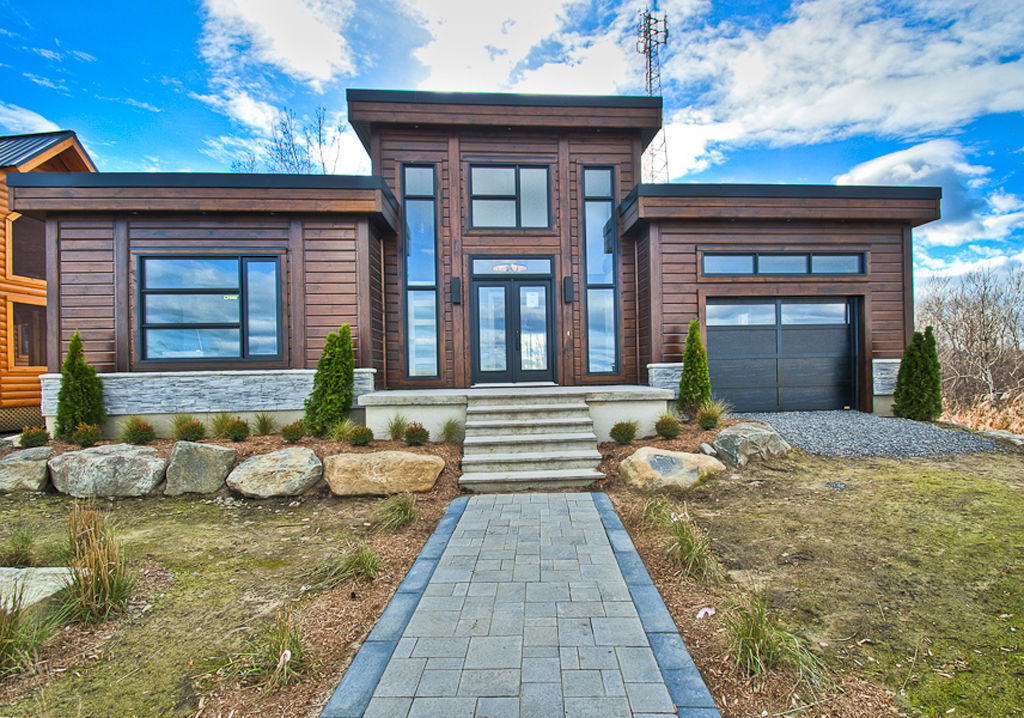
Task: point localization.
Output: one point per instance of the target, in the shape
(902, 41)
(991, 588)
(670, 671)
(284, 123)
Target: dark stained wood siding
(86, 282)
(330, 273)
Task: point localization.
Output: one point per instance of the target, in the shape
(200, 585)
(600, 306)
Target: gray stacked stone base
(160, 395)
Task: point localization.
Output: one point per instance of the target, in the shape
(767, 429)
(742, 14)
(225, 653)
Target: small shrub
(275, 657)
(341, 430)
(19, 548)
(238, 430)
(360, 436)
(624, 432)
(187, 428)
(759, 644)
(333, 384)
(99, 583)
(33, 436)
(85, 435)
(690, 549)
(416, 435)
(397, 426)
(136, 431)
(394, 512)
(359, 563)
(265, 424)
(712, 413)
(21, 634)
(918, 393)
(293, 432)
(667, 427)
(695, 382)
(80, 397)
(452, 430)
(219, 424)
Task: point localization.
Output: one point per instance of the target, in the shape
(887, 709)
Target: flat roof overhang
(39, 193)
(661, 202)
(632, 113)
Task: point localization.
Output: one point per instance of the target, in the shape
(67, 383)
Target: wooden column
(657, 291)
(364, 310)
(53, 327)
(296, 296)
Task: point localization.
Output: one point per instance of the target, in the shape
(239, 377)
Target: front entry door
(512, 330)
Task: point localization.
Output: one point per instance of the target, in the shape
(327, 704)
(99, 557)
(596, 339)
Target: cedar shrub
(695, 382)
(333, 384)
(80, 399)
(918, 392)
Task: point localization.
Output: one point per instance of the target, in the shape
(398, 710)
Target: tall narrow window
(28, 248)
(419, 193)
(601, 239)
(28, 335)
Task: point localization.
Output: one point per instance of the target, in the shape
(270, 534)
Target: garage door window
(815, 313)
(737, 315)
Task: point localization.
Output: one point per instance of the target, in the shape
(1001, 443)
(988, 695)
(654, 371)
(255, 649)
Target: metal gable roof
(18, 149)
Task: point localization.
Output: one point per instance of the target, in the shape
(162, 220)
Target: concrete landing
(525, 605)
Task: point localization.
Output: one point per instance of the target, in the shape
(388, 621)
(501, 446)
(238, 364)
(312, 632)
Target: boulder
(198, 468)
(1015, 439)
(288, 472)
(651, 469)
(381, 473)
(708, 449)
(24, 470)
(740, 443)
(113, 470)
(9, 442)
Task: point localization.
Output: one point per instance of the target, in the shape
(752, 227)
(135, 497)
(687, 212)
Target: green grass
(274, 657)
(394, 512)
(19, 548)
(21, 632)
(360, 563)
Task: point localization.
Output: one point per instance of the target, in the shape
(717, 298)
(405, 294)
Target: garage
(782, 354)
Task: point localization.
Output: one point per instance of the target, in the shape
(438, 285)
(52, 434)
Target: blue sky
(820, 91)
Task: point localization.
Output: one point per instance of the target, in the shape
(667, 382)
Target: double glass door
(512, 329)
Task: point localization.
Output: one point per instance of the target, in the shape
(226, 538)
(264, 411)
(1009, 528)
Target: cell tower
(652, 33)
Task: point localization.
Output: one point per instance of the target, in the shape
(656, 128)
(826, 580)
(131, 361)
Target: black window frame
(614, 284)
(243, 259)
(408, 288)
(808, 263)
(516, 197)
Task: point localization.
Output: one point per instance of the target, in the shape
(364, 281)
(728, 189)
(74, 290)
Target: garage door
(782, 354)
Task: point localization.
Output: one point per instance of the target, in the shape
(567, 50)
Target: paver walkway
(536, 605)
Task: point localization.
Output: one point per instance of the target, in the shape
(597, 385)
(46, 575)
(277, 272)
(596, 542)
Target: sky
(908, 92)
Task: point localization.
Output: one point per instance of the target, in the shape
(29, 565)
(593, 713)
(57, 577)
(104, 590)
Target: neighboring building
(500, 239)
(23, 273)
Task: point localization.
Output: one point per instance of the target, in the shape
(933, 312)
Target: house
(23, 273)
(500, 240)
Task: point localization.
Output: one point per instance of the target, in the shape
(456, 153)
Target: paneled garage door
(782, 354)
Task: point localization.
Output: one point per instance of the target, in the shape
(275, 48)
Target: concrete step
(529, 480)
(513, 412)
(530, 425)
(528, 443)
(516, 397)
(532, 461)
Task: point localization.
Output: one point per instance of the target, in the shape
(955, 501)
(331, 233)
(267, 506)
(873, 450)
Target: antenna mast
(652, 33)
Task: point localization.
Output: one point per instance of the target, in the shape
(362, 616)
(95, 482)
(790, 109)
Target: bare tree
(313, 148)
(979, 327)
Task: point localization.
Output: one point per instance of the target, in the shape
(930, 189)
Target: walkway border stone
(353, 694)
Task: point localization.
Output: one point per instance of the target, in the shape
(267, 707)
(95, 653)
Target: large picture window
(420, 207)
(509, 196)
(601, 238)
(213, 307)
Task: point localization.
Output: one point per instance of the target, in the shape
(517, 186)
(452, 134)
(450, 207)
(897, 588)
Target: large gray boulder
(381, 472)
(198, 468)
(1015, 439)
(24, 470)
(113, 470)
(741, 443)
(288, 472)
(653, 469)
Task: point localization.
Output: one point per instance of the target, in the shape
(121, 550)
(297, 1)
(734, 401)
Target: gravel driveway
(853, 433)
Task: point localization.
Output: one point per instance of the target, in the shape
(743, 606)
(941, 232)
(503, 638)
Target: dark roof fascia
(202, 179)
(795, 191)
(55, 138)
(502, 98)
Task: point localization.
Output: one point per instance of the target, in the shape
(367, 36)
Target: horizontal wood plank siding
(329, 254)
(87, 287)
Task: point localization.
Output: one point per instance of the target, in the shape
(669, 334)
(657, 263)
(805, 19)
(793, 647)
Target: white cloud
(17, 119)
(838, 68)
(960, 265)
(966, 216)
(45, 82)
(243, 108)
(302, 38)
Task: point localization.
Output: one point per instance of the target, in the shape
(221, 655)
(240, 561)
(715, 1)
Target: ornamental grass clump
(136, 430)
(85, 435)
(265, 424)
(690, 549)
(32, 436)
(293, 432)
(452, 430)
(99, 582)
(711, 414)
(416, 435)
(21, 633)
(360, 436)
(219, 424)
(918, 393)
(80, 398)
(18, 550)
(275, 657)
(341, 430)
(237, 430)
(655, 511)
(357, 563)
(624, 432)
(397, 425)
(394, 512)
(667, 427)
(186, 427)
(695, 381)
(333, 384)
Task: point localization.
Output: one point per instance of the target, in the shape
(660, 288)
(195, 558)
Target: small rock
(24, 470)
(1015, 439)
(651, 469)
(837, 485)
(198, 468)
(708, 449)
(740, 443)
(287, 472)
(381, 473)
(113, 470)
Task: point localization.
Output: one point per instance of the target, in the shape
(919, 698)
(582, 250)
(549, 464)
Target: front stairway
(528, 439)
